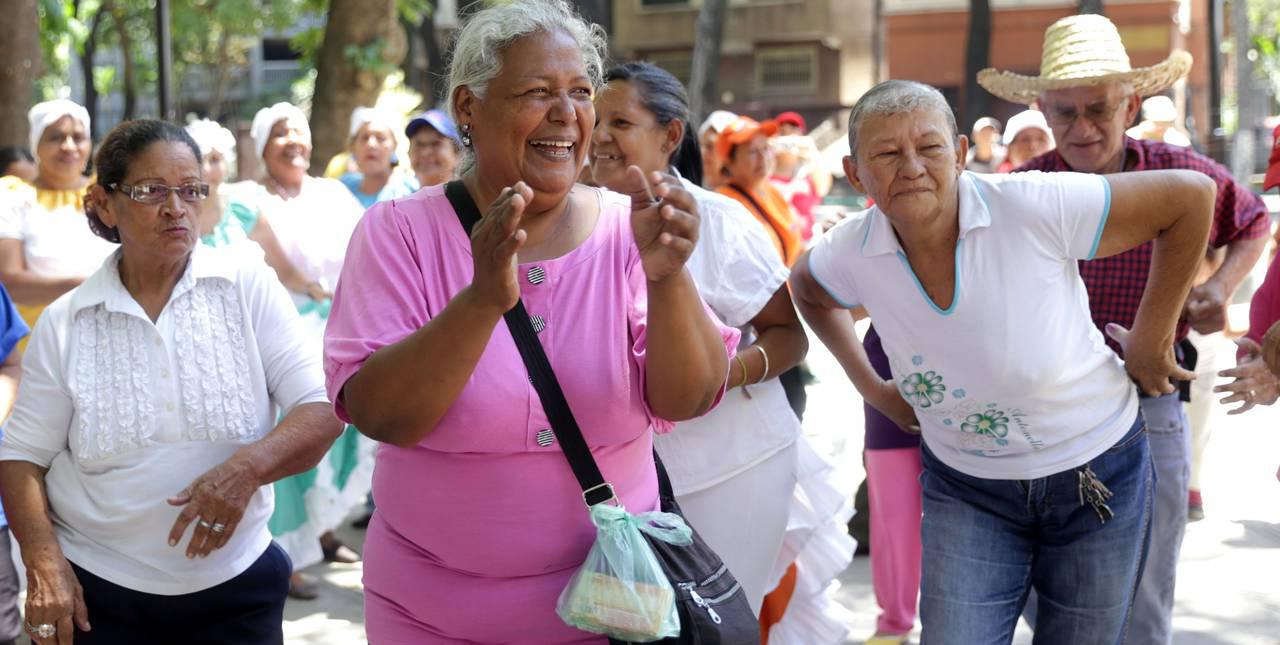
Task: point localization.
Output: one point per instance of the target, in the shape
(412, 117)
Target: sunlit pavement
(1228, 578)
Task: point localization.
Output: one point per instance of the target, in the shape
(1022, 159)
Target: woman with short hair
(137, 465)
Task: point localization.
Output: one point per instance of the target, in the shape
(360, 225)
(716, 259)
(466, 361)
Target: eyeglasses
(1098, 113)
(191, 193)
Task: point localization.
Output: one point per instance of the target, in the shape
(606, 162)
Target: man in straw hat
(1036, 466)
(1090, 94)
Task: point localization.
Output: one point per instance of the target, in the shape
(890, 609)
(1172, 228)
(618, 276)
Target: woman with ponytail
(743, 474)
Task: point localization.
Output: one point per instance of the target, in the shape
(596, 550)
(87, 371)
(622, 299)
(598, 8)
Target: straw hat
(1081, 51)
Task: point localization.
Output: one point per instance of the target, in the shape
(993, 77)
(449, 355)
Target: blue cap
(439, 121)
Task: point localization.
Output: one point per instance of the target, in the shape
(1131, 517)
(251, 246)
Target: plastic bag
(620, 590)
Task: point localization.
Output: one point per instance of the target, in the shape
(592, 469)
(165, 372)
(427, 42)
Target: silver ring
(43, 630)
(218, 527)
(205, 524)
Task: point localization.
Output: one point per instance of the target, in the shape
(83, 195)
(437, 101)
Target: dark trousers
(247, 609)
(10, 619)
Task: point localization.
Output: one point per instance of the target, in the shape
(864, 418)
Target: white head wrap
(268, 117)
(1023, 120)
(43, 115)
(212, 137)
(377, 117)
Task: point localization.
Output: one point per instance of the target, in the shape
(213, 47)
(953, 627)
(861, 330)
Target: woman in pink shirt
(480, 522)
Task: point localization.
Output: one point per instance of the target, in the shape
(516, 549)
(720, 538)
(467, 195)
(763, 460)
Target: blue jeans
(1169, 432)
(988, 542)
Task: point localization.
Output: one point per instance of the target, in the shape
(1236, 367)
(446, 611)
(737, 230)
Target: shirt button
(169, 406)
(164, 372)
(545, 437)
(158, 342)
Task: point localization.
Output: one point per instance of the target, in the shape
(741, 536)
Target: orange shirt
(772, 210)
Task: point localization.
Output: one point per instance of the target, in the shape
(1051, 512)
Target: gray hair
(897, 97)
(478, 47)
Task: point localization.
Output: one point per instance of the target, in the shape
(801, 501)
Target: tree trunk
(340, 85)
(88, 61)
(126, 53)
(1089, 6)
(222, 75)
(977, 102)
(709, 33)
(437, 81)
(878, 73)
(21, 65)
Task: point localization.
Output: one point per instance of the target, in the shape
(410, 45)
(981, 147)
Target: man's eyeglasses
(192, 193)
(1098, 113)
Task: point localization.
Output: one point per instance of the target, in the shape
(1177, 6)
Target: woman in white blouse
(743, 474)
(137, 463)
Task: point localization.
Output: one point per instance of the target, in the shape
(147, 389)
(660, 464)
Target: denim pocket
(1135, 434)
(1162, 413)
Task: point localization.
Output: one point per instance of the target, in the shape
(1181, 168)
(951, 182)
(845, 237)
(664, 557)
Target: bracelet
(763, 354)
(743, 365)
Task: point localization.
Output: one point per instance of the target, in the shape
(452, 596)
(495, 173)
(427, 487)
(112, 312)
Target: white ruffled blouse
(125, 413)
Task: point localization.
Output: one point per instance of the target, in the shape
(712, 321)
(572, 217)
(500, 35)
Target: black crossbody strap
(595, 489)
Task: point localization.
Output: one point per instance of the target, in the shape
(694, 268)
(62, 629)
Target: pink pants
(893, 492)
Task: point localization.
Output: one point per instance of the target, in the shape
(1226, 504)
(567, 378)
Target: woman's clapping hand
(495, 241)
(664, 220)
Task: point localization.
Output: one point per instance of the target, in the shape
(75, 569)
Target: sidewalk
(1228, 576)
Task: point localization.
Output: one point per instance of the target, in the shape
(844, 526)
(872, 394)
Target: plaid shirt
(1115, 284)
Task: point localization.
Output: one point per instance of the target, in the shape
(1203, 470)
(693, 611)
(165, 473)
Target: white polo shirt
(1011, 380)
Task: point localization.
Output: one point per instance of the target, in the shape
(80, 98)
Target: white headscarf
(212, 137)
(43, 115)
(377, 117)
(268, 117)
(716, 121)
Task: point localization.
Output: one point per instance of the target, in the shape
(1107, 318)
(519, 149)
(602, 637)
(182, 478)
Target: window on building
(664, 3)
(279, 49)
(679, 64)
(787, 69)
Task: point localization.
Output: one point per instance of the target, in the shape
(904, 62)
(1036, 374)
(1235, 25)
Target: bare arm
(223, 493)
(10, 374)
(288, 274)
(835, 328)
(25, 287)
(1174, 208)
(54, 595)
(388, 406)
(1206, 308)
(779, 334)
(686, 358)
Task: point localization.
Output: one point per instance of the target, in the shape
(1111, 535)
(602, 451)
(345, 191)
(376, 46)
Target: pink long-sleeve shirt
(481, 524)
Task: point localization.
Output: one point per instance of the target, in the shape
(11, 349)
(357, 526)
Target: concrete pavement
(1228, 576)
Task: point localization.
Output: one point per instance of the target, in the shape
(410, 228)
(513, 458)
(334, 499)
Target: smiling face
(628, 134)
(534, 122)
(287, 154)
(1088, 124)
(908, 163)
(166, 231)
(63, 153)
(372, 147)
(432, 155)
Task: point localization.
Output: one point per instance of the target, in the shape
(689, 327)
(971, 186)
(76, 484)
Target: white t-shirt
(737, 270)
(57, 242)
(1012, 380)
(314, 227)
(126, 413)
